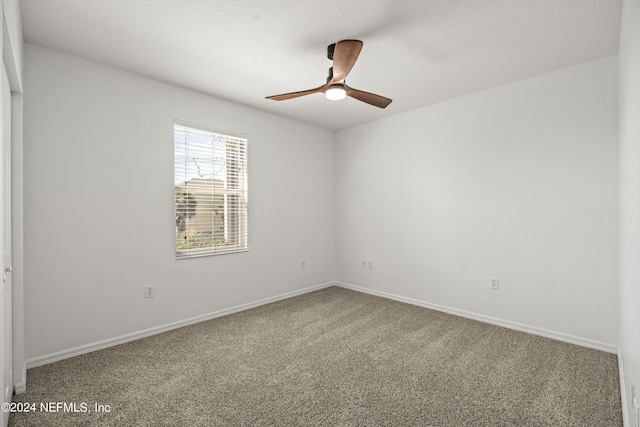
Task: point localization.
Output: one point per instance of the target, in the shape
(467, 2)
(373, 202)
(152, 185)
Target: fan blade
(344, 56)
(292, 95)
(369, 98)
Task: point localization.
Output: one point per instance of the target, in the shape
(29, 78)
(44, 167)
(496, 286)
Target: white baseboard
(585, 342)
(99, 345)
(20, 388)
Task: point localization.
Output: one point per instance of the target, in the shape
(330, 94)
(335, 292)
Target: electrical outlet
(364, 263)
(150, 291)
(370, 264)
(303, 264)
(494, 283)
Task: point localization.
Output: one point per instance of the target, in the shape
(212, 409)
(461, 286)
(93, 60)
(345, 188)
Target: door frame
(12, 59)
(6, 324)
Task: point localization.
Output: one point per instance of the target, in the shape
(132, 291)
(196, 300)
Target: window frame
(242, 224)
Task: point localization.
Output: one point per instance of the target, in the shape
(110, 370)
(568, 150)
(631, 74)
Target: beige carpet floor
(337, 358)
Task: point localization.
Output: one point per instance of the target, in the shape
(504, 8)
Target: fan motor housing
(330, 75)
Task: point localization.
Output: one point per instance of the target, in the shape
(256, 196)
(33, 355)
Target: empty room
(296, 213)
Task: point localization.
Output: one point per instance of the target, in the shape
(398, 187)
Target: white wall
(519, 182)
(99, 221)
(630, 198)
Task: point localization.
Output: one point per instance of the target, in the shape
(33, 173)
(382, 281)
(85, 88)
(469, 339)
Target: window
(210, 176)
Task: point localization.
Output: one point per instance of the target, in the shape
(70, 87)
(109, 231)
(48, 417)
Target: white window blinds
(210, 175)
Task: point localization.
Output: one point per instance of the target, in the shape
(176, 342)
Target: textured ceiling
(415, 52)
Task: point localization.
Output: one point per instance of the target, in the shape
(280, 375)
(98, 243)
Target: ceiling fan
(344, 55)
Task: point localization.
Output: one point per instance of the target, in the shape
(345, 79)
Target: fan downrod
(330, 49)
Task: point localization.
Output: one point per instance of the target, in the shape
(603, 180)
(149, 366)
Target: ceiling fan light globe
(335, 92)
